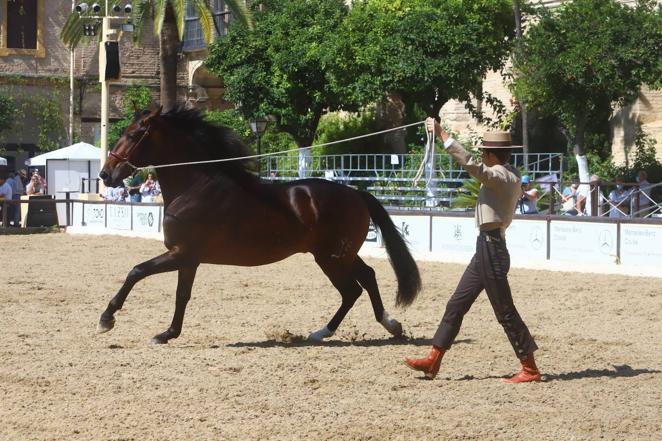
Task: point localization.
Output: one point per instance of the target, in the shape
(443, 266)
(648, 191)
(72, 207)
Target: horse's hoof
(105, 326)
(320, 335)
(396, 329)
(158, 341)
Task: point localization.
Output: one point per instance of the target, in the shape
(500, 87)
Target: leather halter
(125, 157)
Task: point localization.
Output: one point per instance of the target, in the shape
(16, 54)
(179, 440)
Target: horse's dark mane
(210, 140)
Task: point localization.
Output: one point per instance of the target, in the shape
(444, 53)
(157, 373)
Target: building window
(194, 39)
(21, 28)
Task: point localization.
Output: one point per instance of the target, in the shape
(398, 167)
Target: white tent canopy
(81, 151)
(3, 161)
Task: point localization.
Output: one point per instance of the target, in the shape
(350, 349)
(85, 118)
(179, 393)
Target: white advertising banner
(527, 239)
(94, 215)
(455, 235)
(146, 218)
(415, 230)
(119, 217)
(77, 219)
(583, 242)
(641, 245)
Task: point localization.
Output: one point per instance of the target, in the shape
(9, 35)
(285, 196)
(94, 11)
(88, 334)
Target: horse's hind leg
(342, 278)
(184, 286)
(164, 263)
(366, 277)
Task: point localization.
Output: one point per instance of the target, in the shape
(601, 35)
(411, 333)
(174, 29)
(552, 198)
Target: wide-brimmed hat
(497, 140)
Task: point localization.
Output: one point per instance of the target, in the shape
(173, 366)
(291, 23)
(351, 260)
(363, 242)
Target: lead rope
(429, 148)
(240, 158)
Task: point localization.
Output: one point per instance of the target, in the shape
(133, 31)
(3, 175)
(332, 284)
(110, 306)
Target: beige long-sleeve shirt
(500, 188)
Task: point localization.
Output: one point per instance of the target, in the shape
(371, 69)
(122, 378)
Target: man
(585, 194)
(499, 192)
(528, 201)
(569, 198)
(17, 190)
(644, 194)
(5, 194)
(619, 199)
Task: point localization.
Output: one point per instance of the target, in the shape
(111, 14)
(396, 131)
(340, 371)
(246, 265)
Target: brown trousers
(487, 270)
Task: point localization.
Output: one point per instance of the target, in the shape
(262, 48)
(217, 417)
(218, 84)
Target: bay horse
(221, 213)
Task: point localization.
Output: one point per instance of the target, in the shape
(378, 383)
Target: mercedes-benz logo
(606, 242)
(536, 238)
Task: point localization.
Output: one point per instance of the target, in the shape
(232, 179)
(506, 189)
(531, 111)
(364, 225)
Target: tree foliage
(277, 68)
(133, 99)
(583, 60)
(428, 51)
(7, 112)
(307, 58)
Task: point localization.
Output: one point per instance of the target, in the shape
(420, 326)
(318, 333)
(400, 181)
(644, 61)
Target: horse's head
(131, 151)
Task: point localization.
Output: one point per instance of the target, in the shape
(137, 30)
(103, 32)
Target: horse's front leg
(184, 286)
(169, 261)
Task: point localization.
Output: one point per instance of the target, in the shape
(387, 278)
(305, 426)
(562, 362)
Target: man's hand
(433, 126)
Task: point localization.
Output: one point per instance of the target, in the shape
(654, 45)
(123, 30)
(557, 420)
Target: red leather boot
(528, 373)
(429, 365)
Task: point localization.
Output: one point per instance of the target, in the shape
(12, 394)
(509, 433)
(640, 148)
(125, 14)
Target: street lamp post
(107, 35)
(258, 126)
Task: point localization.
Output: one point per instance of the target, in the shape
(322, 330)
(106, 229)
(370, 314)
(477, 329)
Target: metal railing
(634, 203)
(391, 177)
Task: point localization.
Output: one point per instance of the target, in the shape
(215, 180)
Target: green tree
(420, 51)
(168, 18)
(7, 111)
(582, 60)
(277, 68)
(133, 99)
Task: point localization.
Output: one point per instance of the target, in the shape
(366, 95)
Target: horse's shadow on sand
(619, 371)
(297, 343)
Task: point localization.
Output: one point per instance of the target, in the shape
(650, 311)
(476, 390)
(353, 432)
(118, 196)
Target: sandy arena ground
(240, 372)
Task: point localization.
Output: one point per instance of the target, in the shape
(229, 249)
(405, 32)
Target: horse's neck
(175, 181)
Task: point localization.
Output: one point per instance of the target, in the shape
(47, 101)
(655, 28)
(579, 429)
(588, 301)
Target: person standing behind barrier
(569, 199)
(5, 195)
(528, 202)
(34, 187)
(644, 194)
(17, 190)
(133, 187)
(488, 269)
(150, 189)
(585, 195)
(619, 200)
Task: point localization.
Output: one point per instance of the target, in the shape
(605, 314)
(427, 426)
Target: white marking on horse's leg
(320, 334)
(392, 325)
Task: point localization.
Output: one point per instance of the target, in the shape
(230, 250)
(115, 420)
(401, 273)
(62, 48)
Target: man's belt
(492, 235)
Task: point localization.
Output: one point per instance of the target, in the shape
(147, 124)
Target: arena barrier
(585, 244)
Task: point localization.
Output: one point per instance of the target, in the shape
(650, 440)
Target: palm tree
(168, 16)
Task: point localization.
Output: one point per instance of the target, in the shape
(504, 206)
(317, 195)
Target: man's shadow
(298, 341)
(619, 371)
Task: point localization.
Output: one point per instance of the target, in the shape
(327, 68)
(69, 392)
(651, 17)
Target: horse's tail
(406, 270)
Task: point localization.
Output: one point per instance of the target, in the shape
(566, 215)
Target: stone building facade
(36, 73)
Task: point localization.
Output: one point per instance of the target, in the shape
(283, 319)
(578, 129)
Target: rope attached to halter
(429, 148)
(240, 158)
